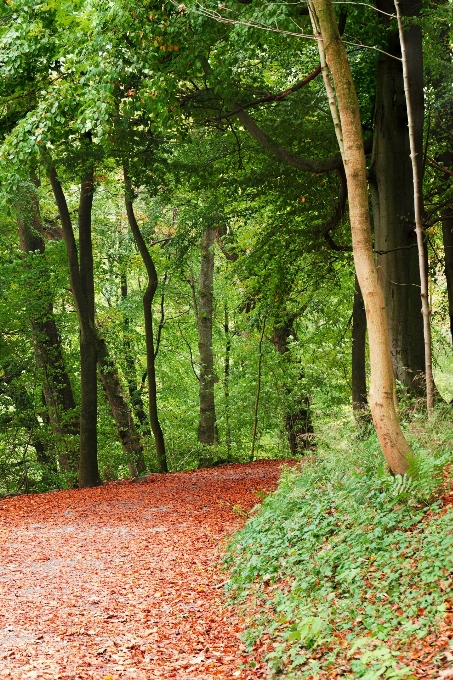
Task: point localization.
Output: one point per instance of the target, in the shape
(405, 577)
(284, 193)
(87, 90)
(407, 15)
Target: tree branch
(289, 157)
(267, 97)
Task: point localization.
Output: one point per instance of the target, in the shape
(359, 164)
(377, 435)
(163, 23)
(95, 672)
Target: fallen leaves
(122, 581)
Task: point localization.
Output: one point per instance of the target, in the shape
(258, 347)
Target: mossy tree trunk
(56, 385)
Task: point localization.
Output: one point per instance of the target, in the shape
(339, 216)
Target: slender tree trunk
(129, 437)
(56, 384)
(134, 390)
(391, 176)
(394, 446)
(149, 333)
(411, 107)
(226, 380)
(83, 292)
(447, 234)
(298, 423)
(258, 391)
(359, 391)
(207, 431)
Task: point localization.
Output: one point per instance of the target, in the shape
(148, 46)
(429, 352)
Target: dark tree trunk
(226, 380)
(83, 292)
(447, 234)
(149, 333)
(391, 175)
(134, 391)
(359, 390)
(298, 423)
(56, 385)
(129, 437)
(207, 430)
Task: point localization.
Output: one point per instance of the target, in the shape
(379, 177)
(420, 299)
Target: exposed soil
(123, 581)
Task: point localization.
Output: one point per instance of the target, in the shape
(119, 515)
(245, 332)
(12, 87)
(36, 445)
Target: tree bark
(391, 174)
(298, 423)
(394, 446)
(134, 390)
(149, 333)
(258, 391)
(207, 431)
(359, 391)
(412, 107)
(81, 287)
(56, 385)
(447, 234)
(226, 379)
(127, 432)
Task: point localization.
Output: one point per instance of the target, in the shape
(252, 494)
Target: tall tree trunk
(226, 379)
(412, 106)
(391, 173)
(83, 292)
(56, 385)
(134, 391)
(392, 441)
(258, 390)
(359, 392)
(447, 234)
(149, 333)
(298, 423)
(129, 437)
(207, 431)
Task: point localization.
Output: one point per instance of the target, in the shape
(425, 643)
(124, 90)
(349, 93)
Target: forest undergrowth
(346, 571)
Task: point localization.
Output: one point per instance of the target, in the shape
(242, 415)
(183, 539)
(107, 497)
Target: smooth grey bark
(391, 175)
(207, 431)
(382, 385)
(83, 293)
(359, 389)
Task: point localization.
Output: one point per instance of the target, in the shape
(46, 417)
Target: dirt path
(122, 581)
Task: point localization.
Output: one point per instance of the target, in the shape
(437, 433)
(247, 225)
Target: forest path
(123, 581)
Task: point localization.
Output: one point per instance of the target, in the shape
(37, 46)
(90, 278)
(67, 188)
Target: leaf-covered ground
(122, 581)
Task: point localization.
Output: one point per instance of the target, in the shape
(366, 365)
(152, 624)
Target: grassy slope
(346, 571)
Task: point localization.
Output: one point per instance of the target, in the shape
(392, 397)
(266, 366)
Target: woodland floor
(123, 581)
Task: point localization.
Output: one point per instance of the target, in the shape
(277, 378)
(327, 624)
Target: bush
(344, 566)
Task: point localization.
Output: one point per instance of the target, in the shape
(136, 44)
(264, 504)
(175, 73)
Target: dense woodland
(178, 284)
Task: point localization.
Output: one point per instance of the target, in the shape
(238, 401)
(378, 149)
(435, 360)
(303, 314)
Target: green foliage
(344, 565)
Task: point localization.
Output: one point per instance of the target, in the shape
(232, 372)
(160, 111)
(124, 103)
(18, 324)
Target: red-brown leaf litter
(123, 581)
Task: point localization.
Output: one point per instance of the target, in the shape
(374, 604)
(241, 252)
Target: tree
(207, 430)
(382, 391)
(149, 333)
(56, 384)
(82, 284)
(392, 197)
